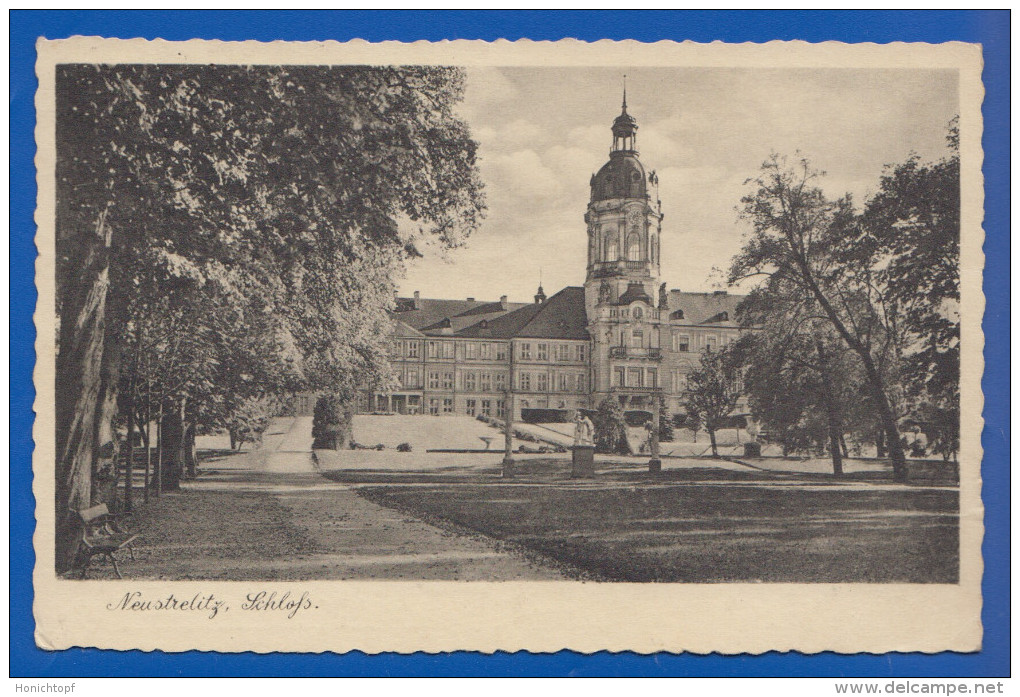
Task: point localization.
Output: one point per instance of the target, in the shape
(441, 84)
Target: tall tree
(797, 233)
(297, 190)
(713, 390)
(911, 227)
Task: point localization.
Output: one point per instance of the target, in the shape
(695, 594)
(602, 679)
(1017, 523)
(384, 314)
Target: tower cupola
(625, 128)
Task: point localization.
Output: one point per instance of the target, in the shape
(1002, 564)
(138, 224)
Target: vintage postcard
(508, 346)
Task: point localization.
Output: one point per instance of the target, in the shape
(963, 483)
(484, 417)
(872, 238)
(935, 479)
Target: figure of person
(584, 430)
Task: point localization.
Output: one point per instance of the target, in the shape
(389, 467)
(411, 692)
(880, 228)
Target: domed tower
(624, 226)
(624, 222)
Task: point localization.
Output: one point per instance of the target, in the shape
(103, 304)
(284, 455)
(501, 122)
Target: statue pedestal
(583, 461)
(655, 465)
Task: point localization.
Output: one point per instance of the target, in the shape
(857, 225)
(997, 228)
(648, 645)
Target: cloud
(515, 135)
(521, 175)
(544, 130)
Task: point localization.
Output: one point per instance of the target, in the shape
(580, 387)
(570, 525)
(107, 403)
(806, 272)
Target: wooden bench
(102, 535)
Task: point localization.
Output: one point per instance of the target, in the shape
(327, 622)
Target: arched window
(612, 252)
(633, 248)
(638, 313)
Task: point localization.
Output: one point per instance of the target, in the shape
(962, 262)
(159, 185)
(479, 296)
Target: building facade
(622, 334)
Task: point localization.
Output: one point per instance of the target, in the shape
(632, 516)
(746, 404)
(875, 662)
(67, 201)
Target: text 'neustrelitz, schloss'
(211, 606)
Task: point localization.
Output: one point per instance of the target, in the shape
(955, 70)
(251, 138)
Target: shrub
(404, 448)
(610, 428)
(331, 423)
(665, 421)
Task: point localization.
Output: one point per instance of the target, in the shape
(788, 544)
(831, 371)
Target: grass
(704, 526)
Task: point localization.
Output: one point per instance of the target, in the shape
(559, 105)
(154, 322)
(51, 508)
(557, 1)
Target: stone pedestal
(655, 465)
(583, 461)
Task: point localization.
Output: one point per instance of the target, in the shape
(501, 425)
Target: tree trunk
(148, 449)
(892, 434)
(129, 470)
(79, 382)
(234, 445)
(880, 442)
(888, 421)
(831, 412)
(711, 435)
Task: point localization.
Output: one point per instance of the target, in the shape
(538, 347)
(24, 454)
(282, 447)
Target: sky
(543, 132)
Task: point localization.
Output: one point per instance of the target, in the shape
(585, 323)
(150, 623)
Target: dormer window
(678, 314)
(638, 313)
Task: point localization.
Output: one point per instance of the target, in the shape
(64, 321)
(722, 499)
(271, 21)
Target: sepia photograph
(582, 323)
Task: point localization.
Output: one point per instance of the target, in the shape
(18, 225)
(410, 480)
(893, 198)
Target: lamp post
(508, 432)
(655, 464)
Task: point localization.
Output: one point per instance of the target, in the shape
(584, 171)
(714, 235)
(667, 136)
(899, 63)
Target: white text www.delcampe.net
(908, 687)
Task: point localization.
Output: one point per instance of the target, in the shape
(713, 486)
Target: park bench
(102, 535)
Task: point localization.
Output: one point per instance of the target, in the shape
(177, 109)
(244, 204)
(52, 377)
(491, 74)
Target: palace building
(622, 334)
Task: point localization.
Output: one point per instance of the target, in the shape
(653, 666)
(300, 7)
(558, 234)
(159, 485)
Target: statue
(663, 299)
(605, 293)
(584, 430)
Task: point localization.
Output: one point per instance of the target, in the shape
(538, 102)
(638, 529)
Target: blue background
(990, 28)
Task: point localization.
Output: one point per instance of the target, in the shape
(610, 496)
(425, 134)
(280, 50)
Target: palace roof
(717, 309)
(562, 316)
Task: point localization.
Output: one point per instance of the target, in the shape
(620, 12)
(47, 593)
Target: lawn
(698, 529)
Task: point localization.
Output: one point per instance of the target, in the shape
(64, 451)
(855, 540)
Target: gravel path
(269, 515)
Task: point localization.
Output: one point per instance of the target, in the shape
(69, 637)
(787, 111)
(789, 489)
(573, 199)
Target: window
(543, 382)
(652, 377)
(413, 378)
(470, 381)
(710, 343)
(471, 408)
(681, 343)
(447, 406)
(612, 252)
(543, 352)
(564, 382)
(487, 407)
(471, 350)
(448, 349)
(412, 349)
(638, 313)
(562, 352)
(524, 352)
(447, 381)
(579, 353)
(433, 379)
(618, 377)
(500, 408)
(635, 377)
(486, 351)
(679, 382)
(637, 338)
(525, 381)
(486, 382)
(633, 248)
(582, 383)
(500, 382)
(500, 352)
(395, 349)
(434, 406)
(433, 349)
